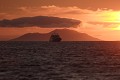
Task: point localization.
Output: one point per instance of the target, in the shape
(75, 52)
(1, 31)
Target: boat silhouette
(55, 38)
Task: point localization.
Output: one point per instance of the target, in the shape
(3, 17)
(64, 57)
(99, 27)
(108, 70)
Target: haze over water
(60, 61)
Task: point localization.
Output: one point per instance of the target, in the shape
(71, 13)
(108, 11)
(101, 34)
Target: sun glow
(116, 28)
(112, 16)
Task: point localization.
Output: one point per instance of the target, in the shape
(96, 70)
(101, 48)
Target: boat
(55, 38)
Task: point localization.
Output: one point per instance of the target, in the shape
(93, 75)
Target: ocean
(60, 60)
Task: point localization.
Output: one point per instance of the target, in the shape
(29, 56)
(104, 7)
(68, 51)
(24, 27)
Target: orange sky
(100, 18)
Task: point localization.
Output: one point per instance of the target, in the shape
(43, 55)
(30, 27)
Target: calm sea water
(60, 61)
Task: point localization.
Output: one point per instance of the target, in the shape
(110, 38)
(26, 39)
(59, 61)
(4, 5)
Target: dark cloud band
(40, 21)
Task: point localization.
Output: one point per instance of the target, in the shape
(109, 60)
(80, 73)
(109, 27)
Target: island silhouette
(66, 35)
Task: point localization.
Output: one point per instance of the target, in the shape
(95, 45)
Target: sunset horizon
(59, 39)
(100, 19)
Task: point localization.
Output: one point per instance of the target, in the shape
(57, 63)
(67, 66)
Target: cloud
(104, 23)
(4, 15)
(71, 12)
(40, 21)
(53, 10)
(96, 18)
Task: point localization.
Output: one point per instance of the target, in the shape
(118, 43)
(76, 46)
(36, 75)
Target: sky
(99, 18)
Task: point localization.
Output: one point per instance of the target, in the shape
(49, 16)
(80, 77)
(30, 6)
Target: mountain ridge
(66, 35)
